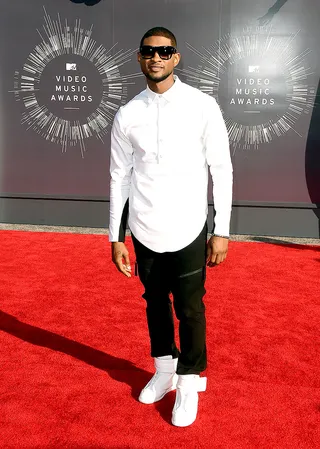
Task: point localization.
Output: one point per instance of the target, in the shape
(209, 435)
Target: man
(162, 143)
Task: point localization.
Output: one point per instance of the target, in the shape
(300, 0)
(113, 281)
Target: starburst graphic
(260, 83)
(81, 101)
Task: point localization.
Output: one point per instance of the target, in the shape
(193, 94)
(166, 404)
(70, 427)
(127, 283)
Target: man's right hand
(120, 257)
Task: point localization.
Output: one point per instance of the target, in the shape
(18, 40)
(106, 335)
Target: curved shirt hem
(174, 243)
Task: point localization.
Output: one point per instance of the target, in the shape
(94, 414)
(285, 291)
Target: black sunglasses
(164, 51)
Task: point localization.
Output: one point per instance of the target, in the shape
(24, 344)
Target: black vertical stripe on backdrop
(312, 158)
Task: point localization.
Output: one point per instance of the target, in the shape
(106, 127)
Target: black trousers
(181, 273)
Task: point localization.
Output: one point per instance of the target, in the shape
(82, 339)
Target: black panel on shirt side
(214, 214)
(123, 223)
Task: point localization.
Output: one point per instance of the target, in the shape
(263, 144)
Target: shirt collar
(168, 95)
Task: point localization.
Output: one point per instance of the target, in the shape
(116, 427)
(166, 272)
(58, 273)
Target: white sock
(165, 357)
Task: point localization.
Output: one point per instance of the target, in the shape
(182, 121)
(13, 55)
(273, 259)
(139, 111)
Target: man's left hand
(217, 248)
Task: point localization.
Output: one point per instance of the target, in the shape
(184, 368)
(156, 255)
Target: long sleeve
(121, 163)
(219, 161)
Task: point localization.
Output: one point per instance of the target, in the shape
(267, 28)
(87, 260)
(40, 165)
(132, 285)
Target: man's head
(157, 64)
(160, 31)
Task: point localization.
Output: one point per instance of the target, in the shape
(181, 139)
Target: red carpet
(74, 349)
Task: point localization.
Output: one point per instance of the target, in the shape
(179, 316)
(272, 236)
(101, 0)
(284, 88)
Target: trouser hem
(181, 370)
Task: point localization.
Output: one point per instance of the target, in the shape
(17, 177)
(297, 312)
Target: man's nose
(156, 56)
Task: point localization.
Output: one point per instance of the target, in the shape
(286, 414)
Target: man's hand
(120, 257)
(217, 248)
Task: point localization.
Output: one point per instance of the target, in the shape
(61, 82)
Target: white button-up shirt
(161, 148)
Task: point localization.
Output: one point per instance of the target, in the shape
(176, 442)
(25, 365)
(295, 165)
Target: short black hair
(160, 31)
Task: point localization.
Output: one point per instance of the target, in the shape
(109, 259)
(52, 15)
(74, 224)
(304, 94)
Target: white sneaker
(186, 405)
(164, 380)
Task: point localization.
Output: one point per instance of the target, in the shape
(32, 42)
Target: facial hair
(154, 78)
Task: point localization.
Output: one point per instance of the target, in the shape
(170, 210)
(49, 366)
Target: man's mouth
(155, 68)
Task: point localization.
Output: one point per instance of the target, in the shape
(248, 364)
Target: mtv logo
(71, 66)
(254, 68)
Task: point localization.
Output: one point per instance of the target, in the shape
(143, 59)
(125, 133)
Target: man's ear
(177, 57)
(138, 57)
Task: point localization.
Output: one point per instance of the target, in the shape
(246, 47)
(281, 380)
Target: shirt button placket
(159, 156)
